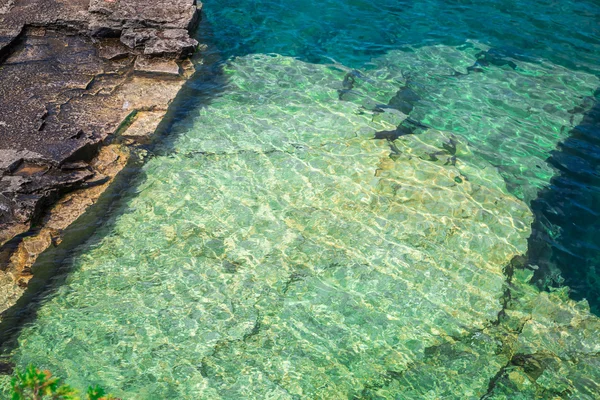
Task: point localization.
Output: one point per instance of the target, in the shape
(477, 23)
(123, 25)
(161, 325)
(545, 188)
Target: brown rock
(144, 125)
(152, 21)
(157, 66)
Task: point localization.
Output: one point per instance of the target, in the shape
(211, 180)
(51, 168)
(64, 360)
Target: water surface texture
(344, 213)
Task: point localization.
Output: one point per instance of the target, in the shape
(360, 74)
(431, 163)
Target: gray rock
(107, 18)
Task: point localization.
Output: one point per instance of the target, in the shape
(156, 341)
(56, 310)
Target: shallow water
(334, 215)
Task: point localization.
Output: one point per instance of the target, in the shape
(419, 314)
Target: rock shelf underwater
(333, 230)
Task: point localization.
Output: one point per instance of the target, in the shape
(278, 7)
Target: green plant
(35, 384)
(97, 393)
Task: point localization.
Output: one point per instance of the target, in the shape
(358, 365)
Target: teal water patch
(502, 105)
(354, 31)
(278, 250)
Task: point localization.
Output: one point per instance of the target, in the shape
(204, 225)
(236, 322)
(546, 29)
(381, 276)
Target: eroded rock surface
(155, 28)
(72, 74)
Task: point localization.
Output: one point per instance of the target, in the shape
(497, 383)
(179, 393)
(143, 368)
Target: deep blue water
(566, 236)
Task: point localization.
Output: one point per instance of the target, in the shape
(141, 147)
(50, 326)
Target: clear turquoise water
(270, 247)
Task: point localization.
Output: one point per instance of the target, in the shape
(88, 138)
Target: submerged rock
(286, 254)
(278, 251)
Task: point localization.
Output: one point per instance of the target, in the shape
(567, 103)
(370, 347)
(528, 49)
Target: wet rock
(404, 100)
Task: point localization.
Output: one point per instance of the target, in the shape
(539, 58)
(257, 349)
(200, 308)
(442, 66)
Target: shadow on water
(54, 266)
(565, 240)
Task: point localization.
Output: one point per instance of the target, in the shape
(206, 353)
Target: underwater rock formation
(566, 235)
(275, 249)
(289, 255)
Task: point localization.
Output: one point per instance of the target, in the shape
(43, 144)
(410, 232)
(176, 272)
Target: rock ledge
(72, 74)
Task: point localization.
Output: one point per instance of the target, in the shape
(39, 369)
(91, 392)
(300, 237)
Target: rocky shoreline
(74, 76)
